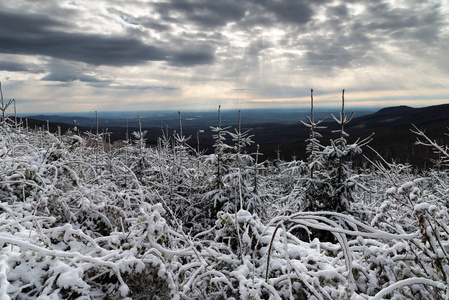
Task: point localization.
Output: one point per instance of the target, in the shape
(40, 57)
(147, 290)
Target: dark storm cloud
(286, 11)
(12, 66)
(153, 24)
(25, 24)
(65, 71)
(214, 14)
(34, 35)
(191, 58)
(204, 13)
(339, 11)
(91, 49)
(257, 19)
(68, 74)
(69, 77)
(39, 35)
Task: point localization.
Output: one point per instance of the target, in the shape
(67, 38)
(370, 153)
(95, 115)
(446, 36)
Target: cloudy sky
(117, 55)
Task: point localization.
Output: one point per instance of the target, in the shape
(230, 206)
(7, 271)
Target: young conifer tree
(309, 175)
(220, 152)
(340, 185)
(242, 169)
(313, 147)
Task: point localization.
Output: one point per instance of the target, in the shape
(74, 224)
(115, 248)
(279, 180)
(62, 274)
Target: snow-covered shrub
(79, 221)
(409, 208)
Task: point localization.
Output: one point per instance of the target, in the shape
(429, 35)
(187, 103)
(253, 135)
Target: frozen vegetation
(79, 220)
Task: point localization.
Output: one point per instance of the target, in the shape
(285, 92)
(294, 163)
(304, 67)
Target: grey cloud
(26, 24)
(12, 66)
(393, 23)
(257, 19)
(297, 12)
(153, 24)
(361, 40)
(203, 12)
(189, 34)
(143, 87)
(339, 11)
(241, 90)
(202, 41)
(330, 57)
(68, 72)
(69, 77)
(268, 13)
(191, 58)
(387, 19)
(64, 71)
(93, 49)
(257, 46)
(145, 21)
(90, 48)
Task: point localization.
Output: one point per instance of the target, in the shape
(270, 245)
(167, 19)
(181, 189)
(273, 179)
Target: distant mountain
(405, 116)
(401, 109)
(393, 138)
(391, 126)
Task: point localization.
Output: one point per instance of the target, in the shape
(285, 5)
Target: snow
(408, 282)
(68, 277)
(76, 219)
(4, 283)
(391, 191)
(422, 207)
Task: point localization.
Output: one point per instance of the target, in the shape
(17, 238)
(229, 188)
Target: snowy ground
(79, 220)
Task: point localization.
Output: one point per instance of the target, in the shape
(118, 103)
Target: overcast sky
(60, 56)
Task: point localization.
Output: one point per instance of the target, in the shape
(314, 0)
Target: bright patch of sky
(61, 56)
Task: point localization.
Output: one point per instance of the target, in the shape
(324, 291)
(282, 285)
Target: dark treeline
(393, 138)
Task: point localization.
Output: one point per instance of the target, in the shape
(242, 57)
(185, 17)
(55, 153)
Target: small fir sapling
(220, 151)
(217, 195)
(239, 171)
(334, 185)
(243, 161)
(314, 146)
(181, 146)
(141, 164)
(297, 198)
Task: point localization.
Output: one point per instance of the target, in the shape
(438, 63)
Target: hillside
(393, 137)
